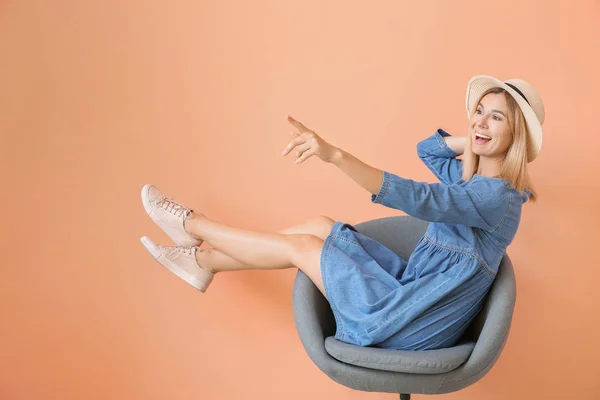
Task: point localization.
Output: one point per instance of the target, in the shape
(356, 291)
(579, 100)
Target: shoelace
(173, 207)
(180, 249)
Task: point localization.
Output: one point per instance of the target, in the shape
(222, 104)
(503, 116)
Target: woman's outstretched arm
(370, 177)
(366, 176)
(307, 143)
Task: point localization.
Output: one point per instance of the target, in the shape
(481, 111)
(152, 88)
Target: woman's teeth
(481, 139)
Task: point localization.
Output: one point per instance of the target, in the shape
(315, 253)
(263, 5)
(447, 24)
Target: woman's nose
(482, 121)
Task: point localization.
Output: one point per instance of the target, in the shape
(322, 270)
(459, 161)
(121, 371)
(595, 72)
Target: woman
(378, 298)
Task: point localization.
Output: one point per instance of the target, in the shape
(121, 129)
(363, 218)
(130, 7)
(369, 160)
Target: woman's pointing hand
(307, 144)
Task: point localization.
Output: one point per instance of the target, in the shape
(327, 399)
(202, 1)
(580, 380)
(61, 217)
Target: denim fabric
(426, 302)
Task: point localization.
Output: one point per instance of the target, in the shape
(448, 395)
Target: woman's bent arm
(366, 176)
(456, 143)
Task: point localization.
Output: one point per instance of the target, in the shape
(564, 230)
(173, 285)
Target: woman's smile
(481, 139)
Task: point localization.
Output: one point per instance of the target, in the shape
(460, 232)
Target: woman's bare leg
(236, 249)
(217, 261)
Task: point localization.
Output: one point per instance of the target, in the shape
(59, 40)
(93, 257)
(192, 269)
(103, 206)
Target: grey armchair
(397, 371)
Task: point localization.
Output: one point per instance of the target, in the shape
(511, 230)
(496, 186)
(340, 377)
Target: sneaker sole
(186, 276)
(146, 203)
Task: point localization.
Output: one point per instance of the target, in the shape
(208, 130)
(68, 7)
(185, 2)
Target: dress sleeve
(480, 203)
(440, 158)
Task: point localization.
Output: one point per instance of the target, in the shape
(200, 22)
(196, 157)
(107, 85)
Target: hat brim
(480, 83)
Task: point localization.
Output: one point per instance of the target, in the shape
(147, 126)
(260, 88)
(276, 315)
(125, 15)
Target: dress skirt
(380, 299)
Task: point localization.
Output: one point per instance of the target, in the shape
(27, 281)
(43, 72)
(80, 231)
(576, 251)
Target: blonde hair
(514, 167)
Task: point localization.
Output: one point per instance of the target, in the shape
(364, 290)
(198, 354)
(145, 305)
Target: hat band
(518, 91)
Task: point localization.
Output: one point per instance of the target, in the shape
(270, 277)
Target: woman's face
(490, 121)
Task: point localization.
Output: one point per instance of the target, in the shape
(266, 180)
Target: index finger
(297, 125)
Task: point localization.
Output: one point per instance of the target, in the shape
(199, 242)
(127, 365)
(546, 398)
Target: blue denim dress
(426, 302)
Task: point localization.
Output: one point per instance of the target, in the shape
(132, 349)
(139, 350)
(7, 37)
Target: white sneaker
(168, 215)
(180, 260)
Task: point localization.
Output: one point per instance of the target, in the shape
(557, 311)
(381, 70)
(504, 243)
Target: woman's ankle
(204, 260)
(190, 223)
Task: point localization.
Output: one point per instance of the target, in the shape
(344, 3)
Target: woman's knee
(322, 225)
(301, 241)
(319, 226)
(306, 255)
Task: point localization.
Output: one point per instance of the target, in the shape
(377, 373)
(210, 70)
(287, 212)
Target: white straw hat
(527, 98)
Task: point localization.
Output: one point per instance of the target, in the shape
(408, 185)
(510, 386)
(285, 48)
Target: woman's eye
(479, 111)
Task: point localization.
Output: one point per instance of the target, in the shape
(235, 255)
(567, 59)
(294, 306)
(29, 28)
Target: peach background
(101, 97)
